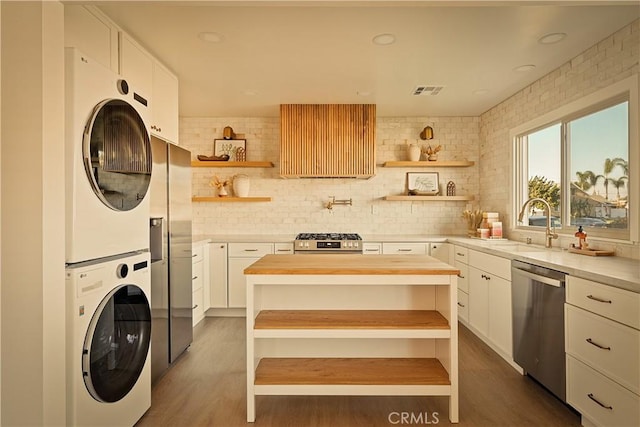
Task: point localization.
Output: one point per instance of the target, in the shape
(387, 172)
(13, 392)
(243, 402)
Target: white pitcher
(414, 152)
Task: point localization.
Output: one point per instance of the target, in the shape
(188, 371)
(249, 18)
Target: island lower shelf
(330, 372)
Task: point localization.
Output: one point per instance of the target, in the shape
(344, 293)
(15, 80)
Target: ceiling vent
(427, 90)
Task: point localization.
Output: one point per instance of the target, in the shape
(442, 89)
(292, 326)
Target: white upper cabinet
(155, 83)
(164, 123)
(136, 66)
(90, 31)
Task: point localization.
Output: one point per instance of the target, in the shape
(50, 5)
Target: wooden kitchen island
(338, 324)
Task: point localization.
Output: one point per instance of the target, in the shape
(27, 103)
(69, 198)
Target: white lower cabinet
(599, 399)
(407, 248)
(241, 256)
(197, 283)
(442, 251)
(372, 248)
(489, 284)
(478, 301)
(602, 342)
(463, 305)
(218, 275)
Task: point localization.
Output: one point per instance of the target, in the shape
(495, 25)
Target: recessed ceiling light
(210, 37)
(384, 39)
(481, 91)
(524, 68)
(552, 38)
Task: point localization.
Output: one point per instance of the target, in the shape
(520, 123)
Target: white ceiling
(322, 52)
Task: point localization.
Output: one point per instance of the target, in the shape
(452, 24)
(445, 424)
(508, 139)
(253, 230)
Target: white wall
(609, 61)
(298, 204)
(32, 245)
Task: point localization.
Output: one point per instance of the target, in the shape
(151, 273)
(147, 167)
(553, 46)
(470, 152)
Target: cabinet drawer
(197, 275)
(463, 305)
(586, 333)
(250, 250)
(463, 277)
(197, 253)
(372, 248)
(283, 248)
(405, 248)
(198, 306)
(598, 398)
(617, 304)
(461, 254)
(491, 264)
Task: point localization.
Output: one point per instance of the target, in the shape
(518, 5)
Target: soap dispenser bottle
(582, 238)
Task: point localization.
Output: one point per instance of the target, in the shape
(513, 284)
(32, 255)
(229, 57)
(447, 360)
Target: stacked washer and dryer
(108, 171)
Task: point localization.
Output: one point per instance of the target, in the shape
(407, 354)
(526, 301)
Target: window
(577, 159)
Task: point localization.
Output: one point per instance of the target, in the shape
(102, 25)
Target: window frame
(624, 90)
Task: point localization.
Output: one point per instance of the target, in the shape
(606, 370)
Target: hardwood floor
(206, 387)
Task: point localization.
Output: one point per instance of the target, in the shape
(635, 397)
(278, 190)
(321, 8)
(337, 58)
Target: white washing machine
(108, 162)
(108, 341)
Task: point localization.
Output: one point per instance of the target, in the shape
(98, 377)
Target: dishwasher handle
(542, 279)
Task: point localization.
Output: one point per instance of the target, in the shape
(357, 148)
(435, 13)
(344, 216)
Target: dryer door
(117, 154)
(117, 344)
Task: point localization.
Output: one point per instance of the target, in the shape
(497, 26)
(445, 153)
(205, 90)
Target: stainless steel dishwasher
(537, 299)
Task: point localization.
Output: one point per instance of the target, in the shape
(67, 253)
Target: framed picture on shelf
(422, 183)
(236, 149)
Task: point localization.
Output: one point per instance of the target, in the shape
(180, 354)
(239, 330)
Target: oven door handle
(541, 279)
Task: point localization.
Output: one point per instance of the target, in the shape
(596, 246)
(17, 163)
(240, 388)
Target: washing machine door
(117, 154)
(117, 344)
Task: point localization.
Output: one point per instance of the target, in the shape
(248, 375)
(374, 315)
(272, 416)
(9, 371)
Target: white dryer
(108, 341)
(108, 162)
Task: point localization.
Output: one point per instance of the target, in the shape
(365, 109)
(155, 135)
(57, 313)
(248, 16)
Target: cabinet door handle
(404, 250)
(194, 255)
(251, 250)
(194, 277)
(284, 250)
(461, 276)
(590, 341)
(590, 396)
(194, 307)
(221, 246)
(461, 305)
(606, 301)
(459, 254)
(485, 277)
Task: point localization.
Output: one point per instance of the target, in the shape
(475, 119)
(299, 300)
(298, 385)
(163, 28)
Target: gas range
(328, 243)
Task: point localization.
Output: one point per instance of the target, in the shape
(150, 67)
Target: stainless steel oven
(327, 243)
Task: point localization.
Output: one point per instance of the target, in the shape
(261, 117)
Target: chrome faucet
(548, 232)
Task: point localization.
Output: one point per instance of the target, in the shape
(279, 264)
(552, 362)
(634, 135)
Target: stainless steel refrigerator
(170, 245)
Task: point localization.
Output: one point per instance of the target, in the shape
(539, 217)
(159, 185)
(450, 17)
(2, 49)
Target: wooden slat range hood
(327, 140)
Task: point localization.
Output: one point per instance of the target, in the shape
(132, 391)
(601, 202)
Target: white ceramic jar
(414, 152)
(241, 184)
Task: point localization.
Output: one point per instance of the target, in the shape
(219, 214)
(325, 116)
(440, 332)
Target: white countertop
(619, 272)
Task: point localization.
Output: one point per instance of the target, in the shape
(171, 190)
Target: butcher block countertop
(350, 264)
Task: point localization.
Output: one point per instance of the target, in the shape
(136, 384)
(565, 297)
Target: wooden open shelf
(229, 199)
(350, 319)
(351, 371)
(403, 198)
(222, 164)
(428, 164)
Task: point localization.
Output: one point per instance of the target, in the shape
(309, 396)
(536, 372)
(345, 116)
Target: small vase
(414, 152)
(241, 184)
(432, 157)
(222, 192)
